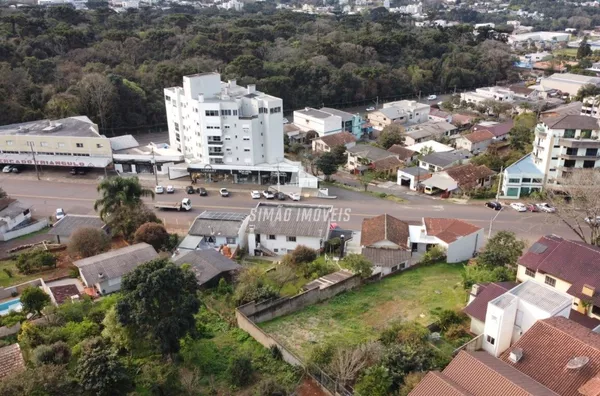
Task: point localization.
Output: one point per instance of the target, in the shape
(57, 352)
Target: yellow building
(70, 142)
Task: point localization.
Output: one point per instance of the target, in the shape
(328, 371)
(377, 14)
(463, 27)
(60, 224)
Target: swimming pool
(12, 305)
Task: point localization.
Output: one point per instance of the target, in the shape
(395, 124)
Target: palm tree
(120, 191)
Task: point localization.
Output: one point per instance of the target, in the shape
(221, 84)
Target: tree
(118, 192)
(34, 300)
(303, 254)
(480, 274)
(358, 264)
(587, 91)
(501, 250)
(252, 286)
(240, 370)
(366, 178)
(412, 333)
(41, 380)
(153, 234)
(120, 337)
(402, 359)
(347, 363)
(88, 241)
(374, 381)
(578, 205)
(390, 135)
(57, 353)
(340, 153)
(328, 164)
(100, 372)
(125, 220)
(159, 302)
(584, 48)
(283, 275)
(97, 96)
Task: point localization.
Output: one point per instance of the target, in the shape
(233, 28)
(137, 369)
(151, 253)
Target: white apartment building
(562, 142)
(488, 93)
(228, 132)
(509, 316)
(399, 112)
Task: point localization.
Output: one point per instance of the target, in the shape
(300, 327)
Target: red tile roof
(402, 152)
(462, 119)
(388, 163)
(11, 360)
(549, 345)
(382, 228)
(499, 130)
(448, 230)
(338, 139)
(487, 292)
(575, 262)
(480, 374)
(479, 136)
(467, 176)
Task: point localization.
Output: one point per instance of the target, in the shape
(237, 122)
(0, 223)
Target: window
(178, 137)
(557, 146)
(168, 98)
(176, 126)
(26, 212)
(247, 150)
(226, 126)
(536, 180)
(98, 145)
(550, 281)
(246, 138)
(271, 237)
(490, 340)
(225, 112)
(514, 180)
(80, 145)
(586, 133)
(235, 112)
(274, 110)
(591, 152)
(529, 272)
(569, 133)
(291, 239)
(526, 180)
(230, 241)
(262, 110)
(9, 142)
(596, 310)
(554, 158)
(572, 151)
(212, 113)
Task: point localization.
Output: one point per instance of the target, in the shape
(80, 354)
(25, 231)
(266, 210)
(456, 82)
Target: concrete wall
(477, 326)
(463, 248)
(7, 292)
(38, 225)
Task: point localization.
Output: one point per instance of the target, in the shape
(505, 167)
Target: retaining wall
(7, 292)
(38, 225)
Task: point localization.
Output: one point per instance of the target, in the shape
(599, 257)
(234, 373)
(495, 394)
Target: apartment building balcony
(215, 143)
(541, 131)
(215, 154)
(579, 157)
(579, 143)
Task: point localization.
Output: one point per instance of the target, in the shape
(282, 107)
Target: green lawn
(17, 277)
(360, 315)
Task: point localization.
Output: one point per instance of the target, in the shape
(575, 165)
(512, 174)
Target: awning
(442, 182)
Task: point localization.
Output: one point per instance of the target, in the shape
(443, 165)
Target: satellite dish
(577, 362)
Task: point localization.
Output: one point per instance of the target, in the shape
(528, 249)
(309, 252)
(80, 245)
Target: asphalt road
(78, 198)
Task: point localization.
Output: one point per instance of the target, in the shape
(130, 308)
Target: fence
(33, 227)
(6, 292)
(474, 345)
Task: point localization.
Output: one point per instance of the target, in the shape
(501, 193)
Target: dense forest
(113, 67)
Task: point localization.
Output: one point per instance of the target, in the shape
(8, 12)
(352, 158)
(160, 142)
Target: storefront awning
(55, 160)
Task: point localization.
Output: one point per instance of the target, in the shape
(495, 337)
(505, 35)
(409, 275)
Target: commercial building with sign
(230, 133)
(69, 142)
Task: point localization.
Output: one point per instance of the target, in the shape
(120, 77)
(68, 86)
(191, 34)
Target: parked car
(159, 189)
(190, 190)
(592, 221)
(15, 169)
(223, 192)
(545, 207)
(518, 206)
(432, 97)
(7, 169)
(294, 196)
(60, 213)
(170, 189)
(494, 205)
(286, 121)
(532, 208)
(281, 196)
(202, 191)
(268, 194)
(371, 108)
(73, 171)
(11, 169)
(255, 194)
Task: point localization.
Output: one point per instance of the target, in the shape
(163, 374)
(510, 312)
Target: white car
(518, 206)
(544, 207)
(268, 194)
(371, 108)
(224, 192)
(590, 220)
(286, 121)
(432, 97)
(170, 189)
(255, 194)
(60, 213)
(7, 169)
(159, 189)
(294, 196)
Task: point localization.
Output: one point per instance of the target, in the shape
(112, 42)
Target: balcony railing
(579, 143)
(215, 143)
(577, 156)
(474, 345)
(215, 154)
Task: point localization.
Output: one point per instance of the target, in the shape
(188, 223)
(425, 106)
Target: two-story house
(12, 214)
(400, 112)
(213, 230)
(567, 265)
(325, 144)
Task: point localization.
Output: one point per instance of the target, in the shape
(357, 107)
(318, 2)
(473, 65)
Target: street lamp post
(154, 167)
(497, 196)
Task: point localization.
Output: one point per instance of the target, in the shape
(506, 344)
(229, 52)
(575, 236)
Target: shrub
(436, 253)
(333, 245)
(57, 353)
(322, 354)
(270, 387)
(303, 254)
(411, 333)
(12, 318)
(275, 352)
(223, 287)
(7, 272)
(448, 317)
(240, 370)
(318, 268)
(358, 264)
(88, 241)
(74, 273)
(35, 260)
(153, 234)
(375, 381)
(382, 195)
(455, 332)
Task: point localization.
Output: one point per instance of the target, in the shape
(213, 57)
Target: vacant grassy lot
(360, 315)
(571, 52)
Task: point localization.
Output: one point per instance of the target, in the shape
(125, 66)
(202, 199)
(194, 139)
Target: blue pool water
(8, 306)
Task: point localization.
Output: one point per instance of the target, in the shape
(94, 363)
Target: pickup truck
(185, 204)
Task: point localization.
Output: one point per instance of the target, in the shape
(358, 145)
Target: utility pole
(154, 167)
(497, 196)
(377, 103)
(499, 184)
(37, 172)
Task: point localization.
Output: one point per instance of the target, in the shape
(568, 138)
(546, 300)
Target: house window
(529, 272)
(212, 113)
(176, 126)
(550, 281)
(271, 237)
(225, 112)
(596, 310)
(247, 150)
(291, 239)
(536, 180)
(79, 145)
(569, 133)
(490, 340)
(526, 180)
(275, 110)
(98, 145)
(230, 241)
(586, 133)
(514, 180)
